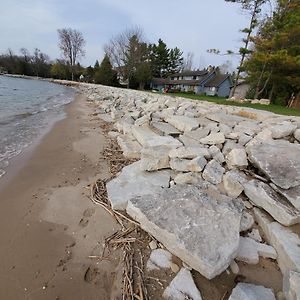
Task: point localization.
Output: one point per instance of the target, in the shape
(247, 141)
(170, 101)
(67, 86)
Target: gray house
(205, 81)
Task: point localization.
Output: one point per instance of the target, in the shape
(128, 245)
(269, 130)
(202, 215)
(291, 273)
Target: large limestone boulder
(285, 242)
(278, 160)
(182, 123)
(292, 194)
(213, 139)
(247, 291)
(182, 287)
(132, 182)
(233, 183)
(202, 231)
(282, 130)
(237, 158)
(265, 197)
(213, 172)
(291, 285)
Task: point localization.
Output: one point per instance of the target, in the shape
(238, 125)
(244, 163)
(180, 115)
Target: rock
(224, 118)
(250, 250)
(128, 184)
(159, 259)
(247, 221)
(216, 154)
(131, 149)
(285, 242)
(233, 183)
(213, 172)
(213, 139)
(182, 123)
(201, 231)
(153, 245)
(278, 160)
(244, 139)
(282, 130)
(165, 128)
(197, 164)
(188, 178)
(189, 152)
(180, 165)
(297, 134)
(143, 134)
(197, 134)
(265, 197)
(182, 287)
(292, 194)
(255, 235)
(291, 285)
(229, 145)
(125, 124)
(247, 291)
(237, 158)
(234, 267)
(261, 137)
(174, 268)
(264, 101)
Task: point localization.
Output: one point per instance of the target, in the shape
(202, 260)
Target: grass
(277, 109)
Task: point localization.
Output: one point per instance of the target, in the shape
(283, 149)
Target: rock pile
(205, 173)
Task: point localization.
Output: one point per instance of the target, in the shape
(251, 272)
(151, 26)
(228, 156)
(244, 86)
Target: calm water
(27, 109)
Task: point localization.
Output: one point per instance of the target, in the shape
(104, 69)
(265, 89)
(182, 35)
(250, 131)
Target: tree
(105, 74)
(60, 70)
(175, 61)
(254, 7)
(40, 63)
(188, 62)
(71, 43)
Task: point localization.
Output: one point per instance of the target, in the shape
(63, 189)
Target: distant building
(240, 91)
(206, 81)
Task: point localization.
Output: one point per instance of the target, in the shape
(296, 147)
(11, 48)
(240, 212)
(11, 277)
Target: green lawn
(278, 109)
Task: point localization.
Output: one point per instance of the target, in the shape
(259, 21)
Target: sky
(192, 25)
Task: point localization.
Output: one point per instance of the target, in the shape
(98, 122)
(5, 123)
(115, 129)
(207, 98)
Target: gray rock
(213, 139)
(197, 134)
(229, 145)
(291, 285)
(143, 134)
(165, 128)
(278, 160)
(285, 242)
(179, 164)
(182, 123)
(282, 130)
(128, 184)
(265, 197)
(131, 149)
(233, 183)
(182, 287)
(292, 194)
(237, 158)
(250, 251)
(247, 291)
(216, 154)
(159, 259)
(188, 178)
(189, 152)
(197, 164)
(201, 231)
(297, 134)
(224, 118)
(247, 221)
(213, 172)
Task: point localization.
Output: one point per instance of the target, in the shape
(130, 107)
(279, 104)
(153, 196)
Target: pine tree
(105, 74)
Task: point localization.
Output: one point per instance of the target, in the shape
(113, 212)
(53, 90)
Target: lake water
(28, 108)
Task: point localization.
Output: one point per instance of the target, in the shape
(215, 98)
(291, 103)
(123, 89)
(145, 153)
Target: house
(198, 82)
(240, 91)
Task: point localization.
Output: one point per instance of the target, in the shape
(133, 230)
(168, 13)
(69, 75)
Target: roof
(217, 80)
(190, 73)
(160, 80)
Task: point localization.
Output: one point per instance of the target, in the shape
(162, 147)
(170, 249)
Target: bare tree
(188, 61)
(117, 47)
(71, 43)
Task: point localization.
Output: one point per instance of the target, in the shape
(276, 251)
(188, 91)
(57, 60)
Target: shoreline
(51, 226)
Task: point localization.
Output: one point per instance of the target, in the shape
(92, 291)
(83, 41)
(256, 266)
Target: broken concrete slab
(250, 251)
(128, 184)
(131, 149)
(182, 287)
(285, 242)
(278, 160)
(291, 285)
(189, 152)
(143, 134)
(247, 291)
(165, 128)
(201, 231)
(159, 259)
(262, 195)
(213, 172)
(182, 123)
(237, 158)
(213, 139)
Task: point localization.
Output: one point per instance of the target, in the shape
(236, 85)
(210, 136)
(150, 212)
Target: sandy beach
(49, 226)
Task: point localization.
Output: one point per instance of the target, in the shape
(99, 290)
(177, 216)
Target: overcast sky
(192, 25)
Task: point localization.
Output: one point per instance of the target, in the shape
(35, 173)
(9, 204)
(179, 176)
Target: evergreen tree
(105, 74)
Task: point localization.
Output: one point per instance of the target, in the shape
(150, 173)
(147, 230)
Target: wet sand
(49, 226)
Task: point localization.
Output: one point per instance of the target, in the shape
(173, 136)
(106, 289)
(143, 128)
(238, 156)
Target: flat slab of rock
(292, 194)
(228, 119)
(143, 134)
(213, 172)
(183, 123)
(285, 242)
(265, 197)
(165, 128)
(189, 152)
(291, 285)
(237, 158)
(132, 182)
(131, 149)
(278, 160)
(213, 139)
(182, 287)
(201, 231)
(247, 291)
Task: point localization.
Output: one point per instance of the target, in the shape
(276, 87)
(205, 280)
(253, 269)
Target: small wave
(2, 172)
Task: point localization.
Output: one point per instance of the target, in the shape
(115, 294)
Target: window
(194, 77)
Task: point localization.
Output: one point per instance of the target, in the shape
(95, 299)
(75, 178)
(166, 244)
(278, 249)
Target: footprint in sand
(85, 218)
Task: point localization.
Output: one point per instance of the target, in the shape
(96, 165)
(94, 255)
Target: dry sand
(49, 227)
